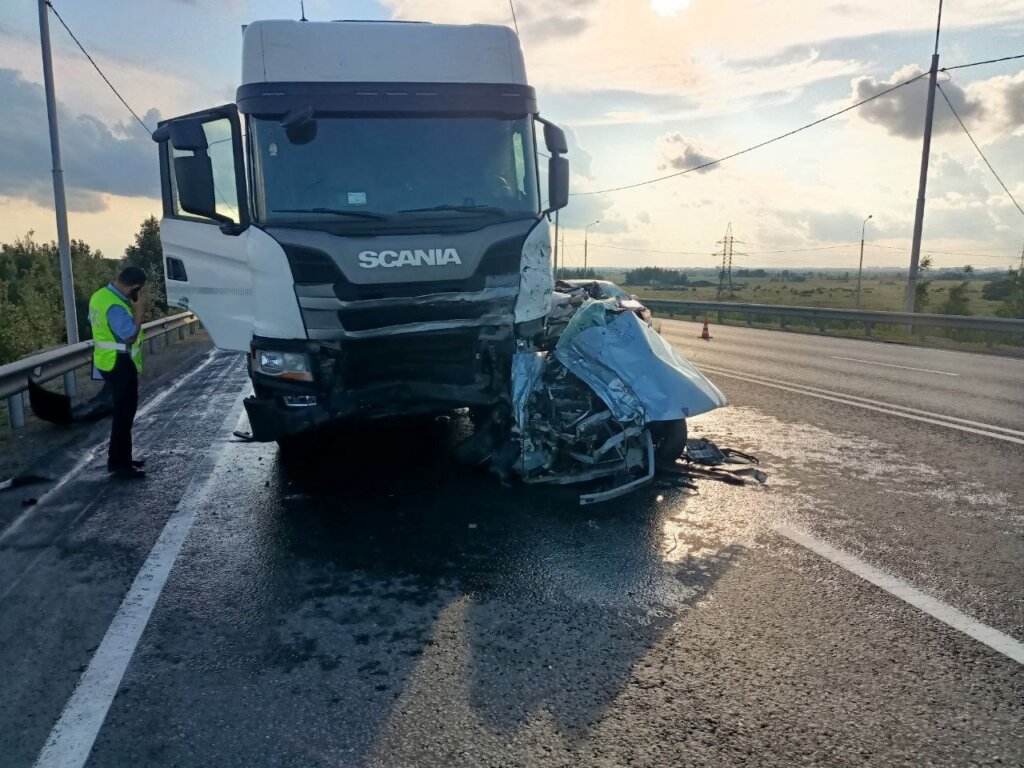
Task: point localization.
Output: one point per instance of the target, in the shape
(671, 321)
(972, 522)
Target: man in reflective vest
(115, 313)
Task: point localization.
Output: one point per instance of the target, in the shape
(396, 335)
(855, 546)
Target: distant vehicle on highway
(606, 289)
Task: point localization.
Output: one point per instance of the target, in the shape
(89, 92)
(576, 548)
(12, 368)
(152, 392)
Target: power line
(97, 68)
(757, 146)
(953, 110)
(979, 63)
(794, 131)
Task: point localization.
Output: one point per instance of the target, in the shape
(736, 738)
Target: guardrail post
(70, 385)
(990, 341)
(181, 332)
(782, 322)
(16, 410)
(152, 345)
(869, 329)
(167, 339)
(192, 329)
(720, 321)
(750, 319)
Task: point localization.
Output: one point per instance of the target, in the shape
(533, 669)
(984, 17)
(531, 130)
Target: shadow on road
(560, 602)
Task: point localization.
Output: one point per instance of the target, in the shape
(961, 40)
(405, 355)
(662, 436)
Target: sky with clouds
(643, 87)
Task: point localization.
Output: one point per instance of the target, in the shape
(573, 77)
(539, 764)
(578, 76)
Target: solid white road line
(869, 401)
(952, 422)
(891, 365)
(72, 737)
(90, 454)
(947, 614)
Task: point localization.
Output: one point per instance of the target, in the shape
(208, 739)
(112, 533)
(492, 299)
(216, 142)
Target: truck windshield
(348, 169)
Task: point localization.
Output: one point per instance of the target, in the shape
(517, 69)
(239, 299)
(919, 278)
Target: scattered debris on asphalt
(601, 397)
(57, 408)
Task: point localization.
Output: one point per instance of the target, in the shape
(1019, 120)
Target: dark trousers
(124, 389)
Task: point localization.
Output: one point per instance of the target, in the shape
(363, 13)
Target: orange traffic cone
(705, 334)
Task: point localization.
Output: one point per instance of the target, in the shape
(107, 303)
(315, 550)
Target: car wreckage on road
(602, 396)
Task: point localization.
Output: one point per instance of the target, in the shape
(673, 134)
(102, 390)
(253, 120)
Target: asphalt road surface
(382, 606)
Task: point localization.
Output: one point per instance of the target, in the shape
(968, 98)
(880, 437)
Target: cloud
(583, 209)
(96, 159)
(679, 153)
(543, 23)
(956, 183)
(553, 28)
(902, 112)
(1015, 101)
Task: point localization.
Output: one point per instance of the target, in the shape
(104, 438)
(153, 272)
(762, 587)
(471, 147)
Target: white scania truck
(367, 219)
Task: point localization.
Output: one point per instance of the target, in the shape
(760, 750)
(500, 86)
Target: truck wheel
(669, 440)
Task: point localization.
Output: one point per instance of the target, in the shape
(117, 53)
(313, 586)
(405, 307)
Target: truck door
(205, 222)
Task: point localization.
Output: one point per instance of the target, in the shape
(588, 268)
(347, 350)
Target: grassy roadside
(882, 294)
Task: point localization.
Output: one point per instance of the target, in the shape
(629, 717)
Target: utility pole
(585, 232)
(915, 248)
(59, 200)
(860, 269)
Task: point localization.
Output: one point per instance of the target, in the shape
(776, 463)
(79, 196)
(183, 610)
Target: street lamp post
(860, 269)
(585, 243)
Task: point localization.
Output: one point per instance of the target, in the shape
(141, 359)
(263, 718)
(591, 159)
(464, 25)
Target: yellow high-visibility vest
(105, 344)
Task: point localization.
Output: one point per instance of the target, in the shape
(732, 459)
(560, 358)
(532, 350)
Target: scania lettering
(369, 229)
(434, 257)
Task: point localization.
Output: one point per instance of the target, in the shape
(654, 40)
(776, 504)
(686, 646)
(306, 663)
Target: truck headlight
(283, 365)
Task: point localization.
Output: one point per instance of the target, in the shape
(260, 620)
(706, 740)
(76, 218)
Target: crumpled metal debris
(596, 398)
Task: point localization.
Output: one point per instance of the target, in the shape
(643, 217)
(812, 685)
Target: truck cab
(367, 221)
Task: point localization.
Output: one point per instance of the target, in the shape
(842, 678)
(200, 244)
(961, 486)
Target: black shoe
(129, 473)
(136, 463)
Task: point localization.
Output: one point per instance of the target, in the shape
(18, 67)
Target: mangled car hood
(631, 368)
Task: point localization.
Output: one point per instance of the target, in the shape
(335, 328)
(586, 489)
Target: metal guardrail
(821, 315)
(51, 363)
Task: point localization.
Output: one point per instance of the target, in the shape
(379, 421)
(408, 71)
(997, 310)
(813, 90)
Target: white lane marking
(90, 454)
(73, 735)
(844, 395)
(952, 422)
(891, 365)
(947, 614)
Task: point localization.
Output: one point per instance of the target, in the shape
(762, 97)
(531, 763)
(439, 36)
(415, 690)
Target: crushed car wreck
(602, 397)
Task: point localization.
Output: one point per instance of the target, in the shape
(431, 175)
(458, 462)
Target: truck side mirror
(554, 138)
(194, 175)
(558, 183)
(187, 134)
(202, 168)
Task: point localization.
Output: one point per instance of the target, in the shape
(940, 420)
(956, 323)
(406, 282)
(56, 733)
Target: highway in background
(384, 606)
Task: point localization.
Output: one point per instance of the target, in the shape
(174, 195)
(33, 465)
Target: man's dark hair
(132, 276)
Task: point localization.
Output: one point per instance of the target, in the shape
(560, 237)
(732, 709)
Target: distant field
(884, 294)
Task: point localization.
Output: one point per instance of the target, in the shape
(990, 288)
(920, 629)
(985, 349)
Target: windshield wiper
(462, 209)
(334, 212)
